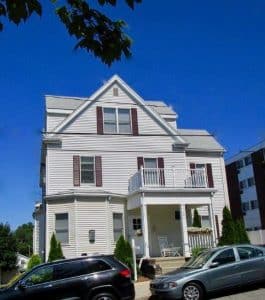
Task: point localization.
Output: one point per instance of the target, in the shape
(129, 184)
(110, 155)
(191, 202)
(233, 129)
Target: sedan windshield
(200, 260)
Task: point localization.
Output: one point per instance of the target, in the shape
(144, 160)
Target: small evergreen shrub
(233, 231)
(241, 236)
(55, 249)
(196, 219)
(123, 252)
(34, 261)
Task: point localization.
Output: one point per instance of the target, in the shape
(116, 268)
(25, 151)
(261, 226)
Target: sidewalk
(142, 290)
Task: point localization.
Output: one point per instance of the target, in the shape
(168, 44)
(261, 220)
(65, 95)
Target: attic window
(115, 92)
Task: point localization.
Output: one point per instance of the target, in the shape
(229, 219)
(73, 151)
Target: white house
(113, 164)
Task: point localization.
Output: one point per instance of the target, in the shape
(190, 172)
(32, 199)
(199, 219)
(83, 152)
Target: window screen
(124, 120)
(61, 228)
(110, 122)
(117, 225)
(87, 169)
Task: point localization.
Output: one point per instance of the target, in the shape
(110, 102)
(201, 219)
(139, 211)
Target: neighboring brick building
(246, 185)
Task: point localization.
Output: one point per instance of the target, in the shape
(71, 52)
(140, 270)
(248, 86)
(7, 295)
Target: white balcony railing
(168, 178)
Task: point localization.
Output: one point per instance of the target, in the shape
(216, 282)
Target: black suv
(96, 278)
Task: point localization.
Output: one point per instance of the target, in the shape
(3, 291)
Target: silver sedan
(213, 270)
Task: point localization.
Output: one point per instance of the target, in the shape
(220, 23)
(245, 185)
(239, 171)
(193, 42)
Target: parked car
(96, 278)
(213, 270)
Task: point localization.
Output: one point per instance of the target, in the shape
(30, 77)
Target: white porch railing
(168, 178)
(200, 240)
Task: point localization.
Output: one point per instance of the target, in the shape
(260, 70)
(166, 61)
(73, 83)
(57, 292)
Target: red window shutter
(135, 130)
(76, 170)
(140, 162)
(160, 165)
(209, 175)
(99, 120)
(98, 167)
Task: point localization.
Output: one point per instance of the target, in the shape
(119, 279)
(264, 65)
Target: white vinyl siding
(119, 162)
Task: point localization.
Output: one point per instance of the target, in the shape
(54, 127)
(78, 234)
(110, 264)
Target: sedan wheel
(104, 296)
(192, 291)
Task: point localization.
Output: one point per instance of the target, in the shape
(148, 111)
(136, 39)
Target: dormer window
(117, 120)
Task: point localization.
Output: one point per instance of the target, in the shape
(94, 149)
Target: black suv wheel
(104, 296)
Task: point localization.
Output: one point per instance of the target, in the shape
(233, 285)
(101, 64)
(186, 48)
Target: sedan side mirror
(214, 265)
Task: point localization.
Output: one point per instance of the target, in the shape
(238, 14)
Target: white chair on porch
(166, 249)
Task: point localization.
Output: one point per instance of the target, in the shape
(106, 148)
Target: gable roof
(60, 102)
(200, 140)
(116, 79)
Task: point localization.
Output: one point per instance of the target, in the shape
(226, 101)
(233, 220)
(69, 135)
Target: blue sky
(206, 59)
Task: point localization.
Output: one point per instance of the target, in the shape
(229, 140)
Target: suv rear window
(78, 268)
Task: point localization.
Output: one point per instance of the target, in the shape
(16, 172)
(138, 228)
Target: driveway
(250, 293)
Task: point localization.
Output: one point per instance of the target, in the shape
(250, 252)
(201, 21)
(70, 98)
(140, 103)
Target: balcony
(168, 178)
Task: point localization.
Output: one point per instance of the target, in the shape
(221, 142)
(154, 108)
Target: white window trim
(87, 183)
(60, 213)
(117, 121)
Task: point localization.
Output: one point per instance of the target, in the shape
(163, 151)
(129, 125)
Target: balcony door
(151, 176)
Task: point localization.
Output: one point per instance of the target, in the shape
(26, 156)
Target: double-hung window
(117, 120)
(62, 228)
(110, 120)
(124, 119)
(87, 169)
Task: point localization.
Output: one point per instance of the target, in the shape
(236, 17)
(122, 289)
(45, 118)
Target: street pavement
(249, 293)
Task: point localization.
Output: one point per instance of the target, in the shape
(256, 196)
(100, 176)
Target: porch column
(211, 217)
(185, 239)
(145, 229)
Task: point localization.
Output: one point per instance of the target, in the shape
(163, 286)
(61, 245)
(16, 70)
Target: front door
(136, 232)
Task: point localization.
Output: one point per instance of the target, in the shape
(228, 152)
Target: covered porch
(161, 224)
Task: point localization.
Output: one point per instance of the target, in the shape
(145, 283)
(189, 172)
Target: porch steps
(168, 264)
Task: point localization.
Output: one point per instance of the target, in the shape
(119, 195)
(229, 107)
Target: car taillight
(125, 273)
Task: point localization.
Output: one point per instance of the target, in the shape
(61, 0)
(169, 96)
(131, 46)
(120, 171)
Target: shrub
(55, 249)
(228, 231)
(34, 261)
(196, 251)
(196, 219)
(234, 231)
(241, 236)
(123, 252)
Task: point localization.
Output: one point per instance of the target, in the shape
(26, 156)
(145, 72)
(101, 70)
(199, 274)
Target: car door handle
(48, 286)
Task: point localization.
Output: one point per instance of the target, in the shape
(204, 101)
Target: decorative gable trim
(134, 95)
